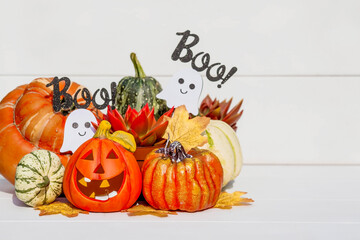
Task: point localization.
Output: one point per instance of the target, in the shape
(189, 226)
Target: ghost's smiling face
(78, 129)
(81, 131)
(184, 88)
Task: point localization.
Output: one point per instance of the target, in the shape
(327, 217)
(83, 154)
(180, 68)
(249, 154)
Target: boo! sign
(184, 53)
(63, 100)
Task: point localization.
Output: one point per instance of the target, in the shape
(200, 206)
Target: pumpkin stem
(103, 130)
(123, 138)
(139, 72)
(175, 151)
(45, 183)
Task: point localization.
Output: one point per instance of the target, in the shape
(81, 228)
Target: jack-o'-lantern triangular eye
(88, 156)
(112, 155)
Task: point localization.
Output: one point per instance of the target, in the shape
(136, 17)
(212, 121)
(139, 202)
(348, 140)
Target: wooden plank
(180, 230)
(259, 37)
(286, 120)
(281, 183)
(299, 194)
(299, 183)
(301, 202)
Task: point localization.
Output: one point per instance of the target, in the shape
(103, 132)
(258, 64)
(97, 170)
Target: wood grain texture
(291, 202)
(259, 37)
(298, 62)
(286, 120)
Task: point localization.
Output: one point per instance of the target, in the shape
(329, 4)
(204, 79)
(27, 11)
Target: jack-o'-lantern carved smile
(92, 179)
(101, 190)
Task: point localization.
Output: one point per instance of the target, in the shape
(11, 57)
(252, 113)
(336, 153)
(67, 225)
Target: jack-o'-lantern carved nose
(99, 169)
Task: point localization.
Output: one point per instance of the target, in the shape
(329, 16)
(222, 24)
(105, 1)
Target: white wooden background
(298, 72)
(298, 62)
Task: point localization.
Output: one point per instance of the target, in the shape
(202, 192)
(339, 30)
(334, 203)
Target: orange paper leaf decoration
(66, 209)
(228, 200)
(144, 209)
(186, 131)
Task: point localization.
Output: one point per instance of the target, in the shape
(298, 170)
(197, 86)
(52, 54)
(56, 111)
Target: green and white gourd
(224, 143)
(139, 90)
(39, 177)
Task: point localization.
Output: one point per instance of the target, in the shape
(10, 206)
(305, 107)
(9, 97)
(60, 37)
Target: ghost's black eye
(75, 125)
(192, 86)
(181, 81)
(87, 125)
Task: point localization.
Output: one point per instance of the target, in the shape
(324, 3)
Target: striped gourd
(139, 90)
(39, 177)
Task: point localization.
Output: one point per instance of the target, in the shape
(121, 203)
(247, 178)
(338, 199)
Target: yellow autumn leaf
(186, 131)
(143, 208)
(228, 200)
(66, 209)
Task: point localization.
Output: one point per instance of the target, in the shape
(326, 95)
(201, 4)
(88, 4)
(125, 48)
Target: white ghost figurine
(78, 129)
(184, 88)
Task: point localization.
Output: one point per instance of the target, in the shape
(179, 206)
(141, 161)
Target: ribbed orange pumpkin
(174, 180)
(28, 123)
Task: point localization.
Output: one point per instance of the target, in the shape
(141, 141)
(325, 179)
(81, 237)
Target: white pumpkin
(38, 179)
(224, 143)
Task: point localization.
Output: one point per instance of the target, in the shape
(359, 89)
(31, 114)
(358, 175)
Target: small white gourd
(224, 143)
(39, 177)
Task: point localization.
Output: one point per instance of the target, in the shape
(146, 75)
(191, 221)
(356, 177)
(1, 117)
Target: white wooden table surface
(291, 202)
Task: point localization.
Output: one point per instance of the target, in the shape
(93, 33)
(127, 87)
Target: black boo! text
(205, 59)
(64, 101)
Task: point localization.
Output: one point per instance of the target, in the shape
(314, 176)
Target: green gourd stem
(139, 72)
(45, 183)
(103, 130)
(210, 140)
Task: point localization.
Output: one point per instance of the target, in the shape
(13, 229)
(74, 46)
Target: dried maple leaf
(186, 131)
(57, 207)
(143, 208)
(228, 200)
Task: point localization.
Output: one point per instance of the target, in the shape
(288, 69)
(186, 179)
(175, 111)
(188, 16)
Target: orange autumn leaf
(184, 130)
(228, 200)
(57, 207)
(143, 208)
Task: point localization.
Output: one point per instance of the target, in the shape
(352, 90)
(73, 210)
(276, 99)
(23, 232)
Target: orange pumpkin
(102, 176)
(28, 123)
(175, 180)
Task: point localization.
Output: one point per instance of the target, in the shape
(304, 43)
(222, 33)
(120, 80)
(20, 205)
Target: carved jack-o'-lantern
(103, 175)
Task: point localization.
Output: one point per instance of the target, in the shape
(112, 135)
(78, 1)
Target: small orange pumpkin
(103, 176)
(175, 180)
